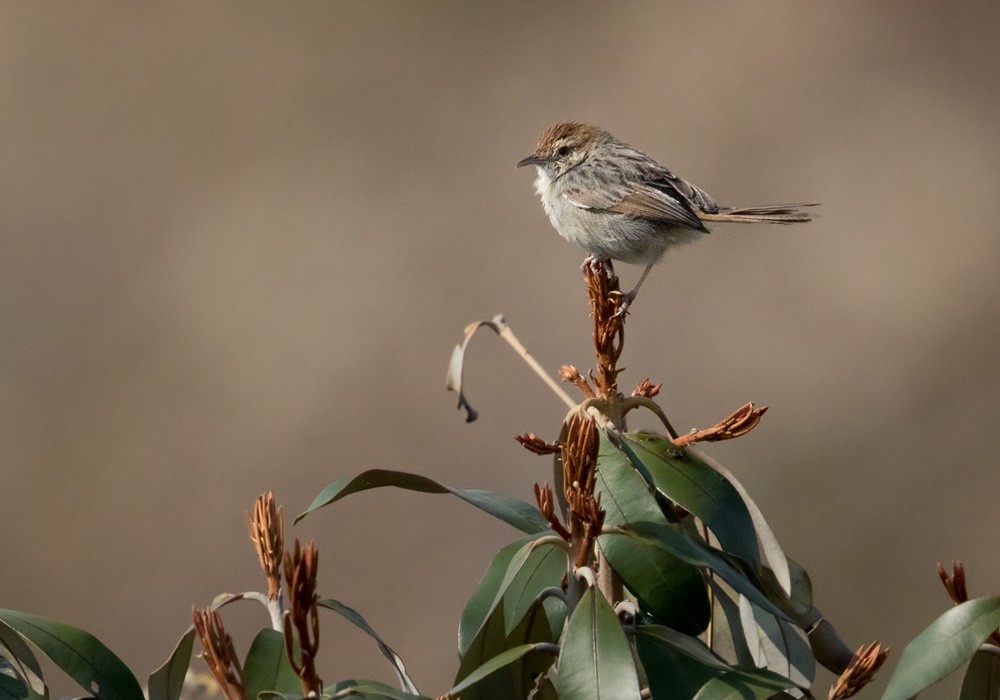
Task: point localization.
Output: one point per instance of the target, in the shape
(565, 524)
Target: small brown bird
(617, 203)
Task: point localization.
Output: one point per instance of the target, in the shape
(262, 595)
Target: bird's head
(562, 147)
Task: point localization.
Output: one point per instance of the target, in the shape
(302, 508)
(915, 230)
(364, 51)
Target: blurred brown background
(240, 241)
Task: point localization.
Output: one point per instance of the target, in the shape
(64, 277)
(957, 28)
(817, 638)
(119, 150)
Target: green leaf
(626, 496)
(777, 644)
(668, 588)
(22, 661)
(80, 654)
(516, 679)
(946, 644)
(698, 488)
(676, 665)
(496, 663)
(12, 687)
(355, 618)
(596, 661)
(773, 553)
(729, 639)
(166, 682)
(531, 570)
(267, 666)
(481, 602)
(519, 514)
(827, 646)
(673, 539)
(744, 685)
(513, 680)
(982, 678)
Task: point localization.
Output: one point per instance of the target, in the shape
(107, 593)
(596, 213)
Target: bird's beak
(533, 159)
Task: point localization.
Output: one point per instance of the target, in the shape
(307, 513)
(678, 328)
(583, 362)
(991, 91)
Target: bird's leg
(629, 297)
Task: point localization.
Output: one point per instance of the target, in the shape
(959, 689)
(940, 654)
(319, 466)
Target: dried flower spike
(267, 532)
(533, 443)
(569, 373)
(579, 462)
(738, 423)
(954, 584)
(859, 672)
(647, 389)
(546, 506)
(300, 576)
(609, 326)
(219, 654)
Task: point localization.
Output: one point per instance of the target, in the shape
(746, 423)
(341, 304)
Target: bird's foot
(597, 265)
(625, 300)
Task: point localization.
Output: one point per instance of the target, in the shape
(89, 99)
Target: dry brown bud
(569, 373)
(267, 532)
(546, 506)
(954, 584)
(219, 654)
(647, 389)
(301, 568)
(738, 423)
(535, 444)
(859, 672)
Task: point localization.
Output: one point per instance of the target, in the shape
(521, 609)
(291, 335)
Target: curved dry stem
(634, 402)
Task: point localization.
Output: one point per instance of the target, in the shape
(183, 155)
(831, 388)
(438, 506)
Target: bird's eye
(563, 151)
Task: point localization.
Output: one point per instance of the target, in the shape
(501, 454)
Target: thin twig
(507, 334)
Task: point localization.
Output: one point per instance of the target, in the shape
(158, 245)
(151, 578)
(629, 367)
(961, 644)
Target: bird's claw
(626, 299)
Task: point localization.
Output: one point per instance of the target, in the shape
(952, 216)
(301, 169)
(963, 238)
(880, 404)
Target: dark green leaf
(982, 678)
(522, 515)
(80, 654)
(596, 661)
(516, 679)
(673, 539)
(625, 495)
(499, 661)
(698, 488)
(12, 687)
(669, 589)
(358, 621)
(676, 665)
(943, 646)
(166, 682)
(267, 666)
(744, 685)
(481, 602)
(684, 644)
(801, 599)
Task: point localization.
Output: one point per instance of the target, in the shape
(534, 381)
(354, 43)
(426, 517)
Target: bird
(617, 203)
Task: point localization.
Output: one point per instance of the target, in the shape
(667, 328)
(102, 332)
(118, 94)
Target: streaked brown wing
(652, 203)
(655, 199)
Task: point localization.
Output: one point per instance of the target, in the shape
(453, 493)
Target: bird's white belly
(609, 235)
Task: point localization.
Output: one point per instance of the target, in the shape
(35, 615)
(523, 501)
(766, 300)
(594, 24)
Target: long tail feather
(777, 214)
